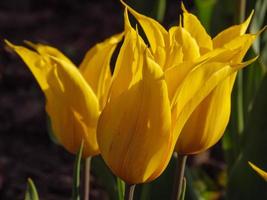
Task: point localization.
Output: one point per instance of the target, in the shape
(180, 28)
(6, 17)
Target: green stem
(129, 192)
(179, 176)
(240, 100)
(87, 166)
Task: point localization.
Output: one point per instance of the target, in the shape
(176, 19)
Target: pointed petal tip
(127, 24)
(246, 63)
(9, 44)
(123, 3)
(261, 31)
(260, 172)
(250, 16)
(183, 7)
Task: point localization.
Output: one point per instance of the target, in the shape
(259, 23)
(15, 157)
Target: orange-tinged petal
(230, 33)
(95, 67)
(262, 173)
(197, 31)
(133, 121)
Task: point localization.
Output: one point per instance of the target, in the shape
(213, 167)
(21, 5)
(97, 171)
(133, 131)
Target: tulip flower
(74, 97)
(262, 173)
(182, 51)
(154, 91)
(207, 123)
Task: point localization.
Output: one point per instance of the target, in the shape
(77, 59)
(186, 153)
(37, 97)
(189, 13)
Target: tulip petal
(72, 107)
(95, 67)
(197, 85)
(48, 50)
(156, 34)
(231, 33)
(35, 62)
(243, 43)
(175, 75)
(71, 103)
(134, 128)
(188, 44)
(128, 64)
(262, 173)
(197, 31)
(210, 118)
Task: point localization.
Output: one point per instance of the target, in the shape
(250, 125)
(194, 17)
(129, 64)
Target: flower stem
(129, 192)
(179, 176)
(87, 166)
(240, 96)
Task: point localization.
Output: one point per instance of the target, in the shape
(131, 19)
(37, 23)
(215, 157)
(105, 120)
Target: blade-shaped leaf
(121, 188)
(31, 192)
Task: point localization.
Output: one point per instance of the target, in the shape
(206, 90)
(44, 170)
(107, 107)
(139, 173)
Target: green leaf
(76, 175)
(31, 192)
(121, 188)
(244, 183)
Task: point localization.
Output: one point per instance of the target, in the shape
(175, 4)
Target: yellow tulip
(262, 173)
(207, 123)
(188, 55)
(152, 95)
(133, 132)
(74, 97)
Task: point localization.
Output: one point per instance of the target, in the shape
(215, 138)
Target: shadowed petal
(95, 67)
